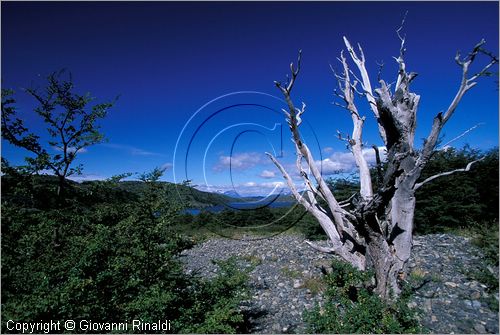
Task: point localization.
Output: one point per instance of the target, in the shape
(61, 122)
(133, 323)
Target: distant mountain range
(232, 194)
(194, 198)
(188, 196)
(282, 197)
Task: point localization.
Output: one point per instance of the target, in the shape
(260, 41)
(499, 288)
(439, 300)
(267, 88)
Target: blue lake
(239, 206)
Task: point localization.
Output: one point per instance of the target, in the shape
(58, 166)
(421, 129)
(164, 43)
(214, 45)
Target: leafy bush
(108, 256)
(223, 294)
(350, 307)
(486, 238)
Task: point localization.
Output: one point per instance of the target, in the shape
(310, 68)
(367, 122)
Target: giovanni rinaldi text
(86, 325)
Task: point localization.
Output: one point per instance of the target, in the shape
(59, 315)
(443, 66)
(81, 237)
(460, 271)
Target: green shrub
(215, 307)
(352, 308)
(108, 256)
(463, 200)
(486, 238)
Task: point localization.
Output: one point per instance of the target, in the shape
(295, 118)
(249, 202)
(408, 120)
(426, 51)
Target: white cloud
(167, 166)
(70, 149)
(77, 178)
(345, 162)
(141, 152)
(337, 162)
(327, 150)
(134, 151)
(266, 174)
(240, 161)
(340, 163)
(87, 177)
(446, 148)
(250, 188)
(46, 172)
(370, 154)
(273, 184)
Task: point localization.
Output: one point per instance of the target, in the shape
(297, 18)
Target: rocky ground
(286, 281)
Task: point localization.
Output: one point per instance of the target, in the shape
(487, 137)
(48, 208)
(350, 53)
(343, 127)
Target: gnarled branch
(465, 85)
(365, 83)
(461, 135)
(356, 143)
(447, 173)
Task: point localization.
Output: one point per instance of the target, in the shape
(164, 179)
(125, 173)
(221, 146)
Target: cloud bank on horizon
(337, 164)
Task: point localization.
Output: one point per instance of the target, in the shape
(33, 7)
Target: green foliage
(115, 259)
(462, 200)
(186, 195)
(352, 308)
(314, 284)
(486, 238)
(223, 294)
(71, 125)
(484, 276)
(343, 188)
(306, 224)
(248, 217)
(290, 273)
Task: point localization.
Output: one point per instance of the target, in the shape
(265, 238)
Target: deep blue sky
(167, 59)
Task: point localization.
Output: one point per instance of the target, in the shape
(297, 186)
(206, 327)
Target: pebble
(480, 328)
(456, 298)
(451, 302)
(475, 295)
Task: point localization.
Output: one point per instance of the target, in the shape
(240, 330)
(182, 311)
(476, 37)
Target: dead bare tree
(375, 232)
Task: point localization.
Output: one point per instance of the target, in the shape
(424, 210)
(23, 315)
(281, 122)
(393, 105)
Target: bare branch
(340, 105)
(468, 83)
(356, 141)
(294, 71)
(300, 199)
(380, 176)
(466, 169)
(465, 85)
(311, 191)
(484, 71)
(461, 135)
(380, 68)
(357, 261)
(347, 202)
(365, 84)
(327, 250)
(402, 38)
(303, 150)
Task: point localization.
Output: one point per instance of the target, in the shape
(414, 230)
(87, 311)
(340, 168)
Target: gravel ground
(286, 281)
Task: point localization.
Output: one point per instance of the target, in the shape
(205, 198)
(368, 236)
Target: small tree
(374, 230)
(71, 126)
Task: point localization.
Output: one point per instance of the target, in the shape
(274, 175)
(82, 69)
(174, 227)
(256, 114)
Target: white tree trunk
(399, 241)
